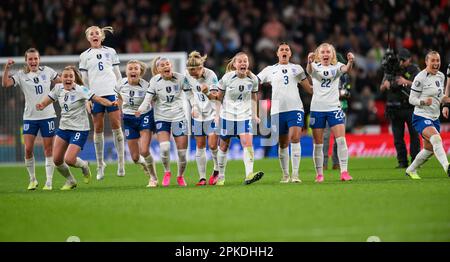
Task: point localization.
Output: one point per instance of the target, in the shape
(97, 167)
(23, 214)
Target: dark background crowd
(221, 28)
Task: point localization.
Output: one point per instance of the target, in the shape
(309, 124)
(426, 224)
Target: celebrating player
(166, 87)
(74, 127)
(326, 107)
(35, 82)
(99, 66)
(237, 91)
(138, 130)
(427, 94)
(287, 108)
(204, 84)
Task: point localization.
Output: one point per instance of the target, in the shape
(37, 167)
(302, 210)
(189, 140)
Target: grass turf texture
(380, 201)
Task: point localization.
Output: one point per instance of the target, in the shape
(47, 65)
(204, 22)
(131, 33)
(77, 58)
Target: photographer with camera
(399, 72)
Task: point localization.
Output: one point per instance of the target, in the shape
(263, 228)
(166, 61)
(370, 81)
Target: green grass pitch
(380, 201)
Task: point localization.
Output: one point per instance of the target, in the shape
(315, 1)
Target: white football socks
(296, 155)
(318, 158)
(29, 164)
(99, 145)
(181, 161)
(283, 156)
(249, 159)
(120, 148)
(342, 152)
(200, 157)
(439, 151)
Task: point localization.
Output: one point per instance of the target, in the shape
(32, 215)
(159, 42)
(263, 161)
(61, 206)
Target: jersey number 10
(39, 89)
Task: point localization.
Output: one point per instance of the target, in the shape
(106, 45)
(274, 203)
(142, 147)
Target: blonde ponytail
(154, 66)
(195, 59)
(230, 66)
(103, 31)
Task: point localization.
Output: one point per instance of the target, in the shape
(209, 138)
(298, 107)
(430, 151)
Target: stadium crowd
(220, 28)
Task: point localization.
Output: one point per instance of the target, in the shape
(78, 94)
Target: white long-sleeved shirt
(427, 85)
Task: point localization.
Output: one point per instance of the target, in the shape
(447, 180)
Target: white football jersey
(326, 87)
(73, 110)
(132, 95)
(99, 64)
(35, 86)
(207, 107)
(237, 100)
(426, 85)
(170, 97)
(284, 80)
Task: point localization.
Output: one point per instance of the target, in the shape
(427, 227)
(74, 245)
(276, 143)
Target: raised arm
(309, 68)
(255, 107)
(7, 81)
(84, 77)
(306, 85)
(44, 103)
(145, 104)
(117, 72)
(350, 59)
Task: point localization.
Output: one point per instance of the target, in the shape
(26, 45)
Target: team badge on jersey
(249, 86)
(44, 77)
(107, 55)
(333, 72)
(99, 56)
(72, 98)
(176, 88)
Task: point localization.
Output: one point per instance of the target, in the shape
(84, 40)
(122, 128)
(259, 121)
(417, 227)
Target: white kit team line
(221, 110)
